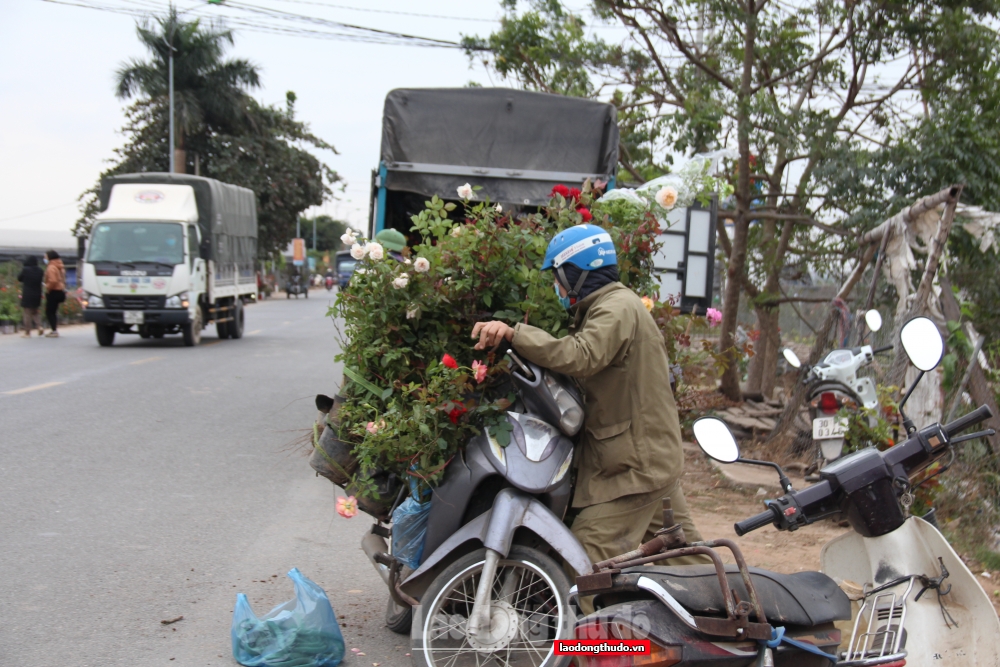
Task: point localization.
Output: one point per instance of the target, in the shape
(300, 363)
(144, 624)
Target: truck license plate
(133, 317)
(825, 428)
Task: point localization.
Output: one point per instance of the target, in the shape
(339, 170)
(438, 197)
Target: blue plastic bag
(409, 530)
(300, 633)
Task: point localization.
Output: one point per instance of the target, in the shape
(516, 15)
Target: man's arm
(588, 351)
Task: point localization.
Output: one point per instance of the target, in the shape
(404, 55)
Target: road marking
(214, 342)
(33, 388)
(255, 331)
(144, 361)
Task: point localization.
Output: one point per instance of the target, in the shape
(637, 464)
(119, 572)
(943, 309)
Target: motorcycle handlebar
(980, 414)
(884, 348)
(753, 523)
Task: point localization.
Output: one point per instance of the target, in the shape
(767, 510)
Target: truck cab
(151, 264)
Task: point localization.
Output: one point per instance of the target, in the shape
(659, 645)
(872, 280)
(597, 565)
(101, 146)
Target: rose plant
(415, 389)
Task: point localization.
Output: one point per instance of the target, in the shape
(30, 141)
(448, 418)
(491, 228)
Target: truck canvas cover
(227, 215)
(515, 144)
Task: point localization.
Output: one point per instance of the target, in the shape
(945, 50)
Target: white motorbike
(834, 384)
(915, 601)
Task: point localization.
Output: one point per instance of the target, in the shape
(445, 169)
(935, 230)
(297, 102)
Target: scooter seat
(804, 598)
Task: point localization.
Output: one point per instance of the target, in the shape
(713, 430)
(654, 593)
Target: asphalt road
(147, 481)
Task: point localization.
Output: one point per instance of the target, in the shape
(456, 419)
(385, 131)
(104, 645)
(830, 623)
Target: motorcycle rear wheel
(530, 611)
(398, 619)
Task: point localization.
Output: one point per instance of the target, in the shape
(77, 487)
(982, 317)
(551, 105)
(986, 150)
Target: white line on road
(144, 361)
(255, 332)
(33, 388)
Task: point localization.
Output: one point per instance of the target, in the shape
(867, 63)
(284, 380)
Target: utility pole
(170, 68)
(314, 233)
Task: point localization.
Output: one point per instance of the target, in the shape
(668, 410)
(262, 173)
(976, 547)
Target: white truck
(169, 253)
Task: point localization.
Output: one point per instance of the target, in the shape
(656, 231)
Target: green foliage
(10, 292)
(408, 412)
(328, 232)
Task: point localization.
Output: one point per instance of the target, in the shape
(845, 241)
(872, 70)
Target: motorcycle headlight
(177, 301)
(93, 301)
(570, 410)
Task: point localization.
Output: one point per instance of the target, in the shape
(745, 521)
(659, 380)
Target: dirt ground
(716, 505)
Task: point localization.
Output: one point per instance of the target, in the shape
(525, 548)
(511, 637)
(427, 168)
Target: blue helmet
(587, 247)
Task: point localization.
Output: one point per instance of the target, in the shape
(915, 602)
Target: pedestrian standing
(31, 295)
(55, 290)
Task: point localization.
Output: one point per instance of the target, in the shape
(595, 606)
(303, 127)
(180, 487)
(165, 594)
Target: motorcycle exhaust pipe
(375, 545)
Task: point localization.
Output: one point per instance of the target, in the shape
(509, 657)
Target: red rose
(449, 361)
(587, 217)
(559, 190)
(574, 193)
(456, 412)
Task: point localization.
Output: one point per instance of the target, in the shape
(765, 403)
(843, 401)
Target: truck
(515, 144)
(169, 254)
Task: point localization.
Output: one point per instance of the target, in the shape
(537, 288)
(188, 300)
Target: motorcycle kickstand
(479, 619)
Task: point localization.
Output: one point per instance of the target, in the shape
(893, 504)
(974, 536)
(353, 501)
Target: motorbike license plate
(133, 317)
(825, 428)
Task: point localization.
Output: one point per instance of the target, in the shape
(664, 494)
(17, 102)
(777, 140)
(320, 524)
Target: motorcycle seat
(803, 598)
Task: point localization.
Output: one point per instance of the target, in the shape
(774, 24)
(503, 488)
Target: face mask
(564, 300)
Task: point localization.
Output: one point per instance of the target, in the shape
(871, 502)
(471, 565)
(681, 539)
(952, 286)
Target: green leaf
(425, 429)
(387, 393)
(488, 299)
(368, 386)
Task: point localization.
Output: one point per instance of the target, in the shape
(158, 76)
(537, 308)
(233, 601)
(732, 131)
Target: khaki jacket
(632, 439)
(55, 276)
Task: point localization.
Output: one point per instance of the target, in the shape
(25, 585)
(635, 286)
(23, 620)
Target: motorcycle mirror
(791, 358)
(923, 343)
(874, 320)
(715, 439)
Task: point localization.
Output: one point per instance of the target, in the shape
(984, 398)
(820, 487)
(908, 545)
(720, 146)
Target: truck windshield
(161, 242)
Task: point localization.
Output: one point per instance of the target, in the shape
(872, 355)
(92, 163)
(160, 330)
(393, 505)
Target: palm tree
(208, 91)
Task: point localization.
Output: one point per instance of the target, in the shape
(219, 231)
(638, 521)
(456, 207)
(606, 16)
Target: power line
(390, 11)
(44, 210)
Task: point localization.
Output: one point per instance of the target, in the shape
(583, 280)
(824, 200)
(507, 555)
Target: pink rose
(347, 507)
(479, 371)
(714, 317)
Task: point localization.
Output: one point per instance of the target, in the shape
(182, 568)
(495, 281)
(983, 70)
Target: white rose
(412, 312)
(456, 231)
(666, 197)
(358, 251)
(421, 265)
(466, 192)
(407, 261)
(402, 281)
(348, 238)
(375, 250)
(499, 208)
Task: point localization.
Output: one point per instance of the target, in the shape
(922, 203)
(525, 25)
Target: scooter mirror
(874, 320)
(715, 439)
(791, 358)
(923, 343)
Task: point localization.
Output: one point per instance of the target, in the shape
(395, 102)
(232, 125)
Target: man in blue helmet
(629, 457)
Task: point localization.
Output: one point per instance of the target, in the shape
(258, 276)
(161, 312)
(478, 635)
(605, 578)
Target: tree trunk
(730, 384)
(761, 375)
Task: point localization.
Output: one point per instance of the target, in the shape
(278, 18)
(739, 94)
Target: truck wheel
(192, 330)
(236, 325)
(105, 335)
(222, 328)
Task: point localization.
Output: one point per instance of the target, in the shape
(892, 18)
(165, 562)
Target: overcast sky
(60, 119)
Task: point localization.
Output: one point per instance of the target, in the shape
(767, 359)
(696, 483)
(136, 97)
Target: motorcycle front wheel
(530, 609)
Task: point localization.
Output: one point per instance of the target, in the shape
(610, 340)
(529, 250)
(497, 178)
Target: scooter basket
(386, 490)
(333, 458)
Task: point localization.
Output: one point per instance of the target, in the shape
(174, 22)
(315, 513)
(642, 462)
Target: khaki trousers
(32, 320)
(609, 529)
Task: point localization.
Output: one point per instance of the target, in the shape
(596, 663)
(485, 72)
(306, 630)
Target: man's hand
(491, 333)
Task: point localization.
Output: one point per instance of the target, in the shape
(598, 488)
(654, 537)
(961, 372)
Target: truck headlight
(177, 301)
(93, 301)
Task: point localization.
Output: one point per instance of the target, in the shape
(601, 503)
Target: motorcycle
(328, 282)
(834, 384)
(491, 586)
(296, 286)
(913, 601)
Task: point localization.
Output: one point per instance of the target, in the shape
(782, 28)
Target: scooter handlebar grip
(980, 414)
(753, 523)
(884, 348)
(503, 347)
